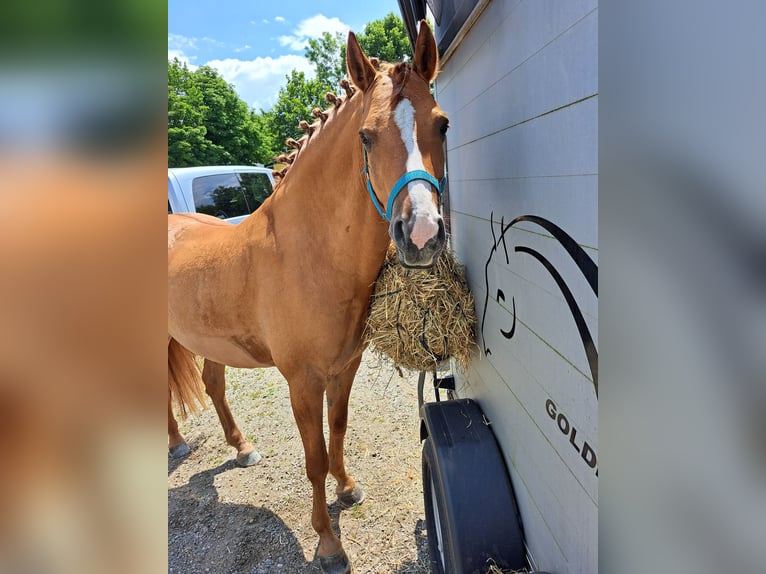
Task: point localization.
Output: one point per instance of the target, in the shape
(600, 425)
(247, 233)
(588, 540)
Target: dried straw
(495, 569)
(421, 317)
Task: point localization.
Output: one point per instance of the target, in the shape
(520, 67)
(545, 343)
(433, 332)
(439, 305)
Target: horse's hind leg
(176, 444)
(213, 374)
(338, 391)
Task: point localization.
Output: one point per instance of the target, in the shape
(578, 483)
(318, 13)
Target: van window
(228, 195)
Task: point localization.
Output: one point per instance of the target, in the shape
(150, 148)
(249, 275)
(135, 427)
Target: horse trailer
(510, 459)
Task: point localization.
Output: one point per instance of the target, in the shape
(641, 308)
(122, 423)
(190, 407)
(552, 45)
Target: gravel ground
(257, 520)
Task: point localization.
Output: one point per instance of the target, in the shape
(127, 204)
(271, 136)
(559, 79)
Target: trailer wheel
(433, 499)
(471, 513)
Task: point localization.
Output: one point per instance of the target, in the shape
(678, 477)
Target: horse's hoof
(335, 564)
(250, 459)
(351, 498)
(180, 450)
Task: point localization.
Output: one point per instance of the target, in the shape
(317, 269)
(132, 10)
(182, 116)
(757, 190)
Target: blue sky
(254, 44)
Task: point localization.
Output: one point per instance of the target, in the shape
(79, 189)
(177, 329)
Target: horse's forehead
(389, 96)
(404, 116)
(379, 101)
(410, 114)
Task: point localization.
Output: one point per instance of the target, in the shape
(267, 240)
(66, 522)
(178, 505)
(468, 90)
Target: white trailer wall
(521, 92)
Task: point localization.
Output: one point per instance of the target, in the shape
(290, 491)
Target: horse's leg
(306, 398)
(338, 391)
(176, 444)
(213, 374)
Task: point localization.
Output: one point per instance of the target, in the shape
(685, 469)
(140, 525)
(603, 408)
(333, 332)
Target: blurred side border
(682, 205)
(83, 151)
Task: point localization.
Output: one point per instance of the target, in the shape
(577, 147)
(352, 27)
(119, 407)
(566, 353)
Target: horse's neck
(322, 212)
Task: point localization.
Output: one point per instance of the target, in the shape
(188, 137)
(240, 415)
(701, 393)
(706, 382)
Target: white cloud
(314, 27)
(181, 43)
(295, 44)
(179, 46)
(258, 81)
(278, 19)
(310, 28)
(211, 41)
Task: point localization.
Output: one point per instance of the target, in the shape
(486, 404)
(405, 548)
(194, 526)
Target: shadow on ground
(237, 538)
(422, 562)
(241, 538)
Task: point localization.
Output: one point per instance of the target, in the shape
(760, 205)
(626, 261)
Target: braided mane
(399, 74)
(309, 129)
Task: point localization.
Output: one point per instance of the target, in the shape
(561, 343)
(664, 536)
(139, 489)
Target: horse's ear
(360, 70)
(426, 58)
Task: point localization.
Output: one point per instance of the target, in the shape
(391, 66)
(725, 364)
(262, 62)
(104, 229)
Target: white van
(229, 192)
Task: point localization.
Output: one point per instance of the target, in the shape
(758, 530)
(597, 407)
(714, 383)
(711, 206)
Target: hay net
(419, 318)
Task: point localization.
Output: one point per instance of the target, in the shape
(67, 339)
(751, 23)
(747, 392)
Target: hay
(421, 317)
(495, 569)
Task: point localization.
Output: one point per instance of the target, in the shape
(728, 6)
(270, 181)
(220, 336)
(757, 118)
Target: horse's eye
(444, 127)
(365, 139)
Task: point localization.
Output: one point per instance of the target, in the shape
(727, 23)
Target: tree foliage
(208, 124)
(325, 54)
(294, 103)
(385, 39)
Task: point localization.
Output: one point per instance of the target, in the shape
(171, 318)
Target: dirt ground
(257, 520)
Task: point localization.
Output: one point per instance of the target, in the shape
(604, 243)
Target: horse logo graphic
(583, 261)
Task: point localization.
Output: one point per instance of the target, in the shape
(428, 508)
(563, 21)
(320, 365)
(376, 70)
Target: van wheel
(471, 513)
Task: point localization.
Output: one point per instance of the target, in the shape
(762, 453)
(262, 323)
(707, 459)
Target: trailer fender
(471, 513)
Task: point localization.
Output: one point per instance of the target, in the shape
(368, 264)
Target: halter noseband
(400, 184)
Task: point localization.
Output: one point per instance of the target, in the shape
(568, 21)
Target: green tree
(325, 54)
(187, 144)
(385, 39)
(209, 124)
(263, 139)
(294, 103)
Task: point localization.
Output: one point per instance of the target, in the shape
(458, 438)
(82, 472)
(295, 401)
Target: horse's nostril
(399, 230)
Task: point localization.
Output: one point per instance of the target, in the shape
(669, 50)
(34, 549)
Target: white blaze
(423, 209)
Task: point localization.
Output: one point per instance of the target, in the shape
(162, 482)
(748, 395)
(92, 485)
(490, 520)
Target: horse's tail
(184, 380)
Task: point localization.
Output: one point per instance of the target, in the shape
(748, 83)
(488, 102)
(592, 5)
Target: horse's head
(402, 133)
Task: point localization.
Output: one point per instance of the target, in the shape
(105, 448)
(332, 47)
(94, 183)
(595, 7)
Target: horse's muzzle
(410, 255)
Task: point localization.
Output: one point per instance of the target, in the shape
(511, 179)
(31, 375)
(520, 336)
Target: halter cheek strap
(400, 184)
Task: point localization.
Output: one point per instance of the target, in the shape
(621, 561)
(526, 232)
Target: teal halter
(409, 176)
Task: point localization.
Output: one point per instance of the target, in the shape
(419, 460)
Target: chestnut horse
(290, 285)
